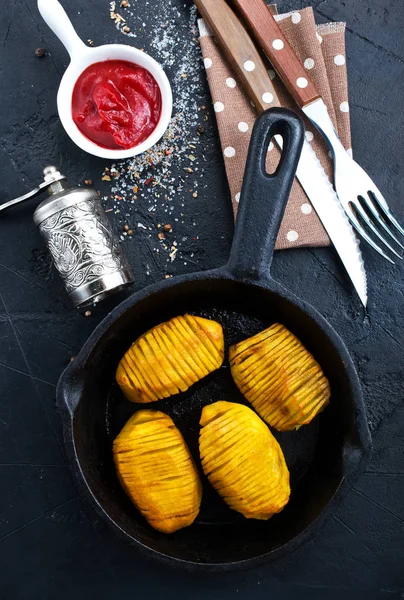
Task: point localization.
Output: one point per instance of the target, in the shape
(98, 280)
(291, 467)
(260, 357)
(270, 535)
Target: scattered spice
(173, 252)
(87, 313)
(153, 182)
(88, 182)
(40, 52)
(126, 29)
(90, 42)
(114, 15)
(195, 194)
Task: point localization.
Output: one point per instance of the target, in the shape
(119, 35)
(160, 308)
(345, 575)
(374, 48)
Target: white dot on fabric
(278, 44)
(339, 59)
(296, 18)
(271, 73)
(237, 197)
(243, 127)
(229, 152)
(309, 63)
(230, 82)
(302, 82)
(320, 39)
(207, 62)
(306, 208)
(218, 106)
(249, 65)
(267, 97)
(309, 136)
(344, 107)
(271, 146)
(292, 236)
(349, 151)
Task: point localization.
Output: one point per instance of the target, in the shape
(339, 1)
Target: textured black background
(50, 546)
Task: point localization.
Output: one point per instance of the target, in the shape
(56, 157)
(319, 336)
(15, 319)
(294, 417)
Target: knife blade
(240, 50)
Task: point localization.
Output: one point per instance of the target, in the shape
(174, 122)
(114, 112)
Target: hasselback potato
(170, 358)
(157, 472)
(280, 378)
(243, 461)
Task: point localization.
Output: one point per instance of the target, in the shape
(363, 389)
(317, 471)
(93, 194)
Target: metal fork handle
(324, 124)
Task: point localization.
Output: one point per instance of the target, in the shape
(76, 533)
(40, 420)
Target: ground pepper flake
(40, 52)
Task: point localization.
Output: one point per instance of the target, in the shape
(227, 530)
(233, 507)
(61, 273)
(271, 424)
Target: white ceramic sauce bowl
(81, 57)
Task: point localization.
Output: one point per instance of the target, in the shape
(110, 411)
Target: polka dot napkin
(322, 51)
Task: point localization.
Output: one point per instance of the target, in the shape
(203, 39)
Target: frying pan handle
(264, 196)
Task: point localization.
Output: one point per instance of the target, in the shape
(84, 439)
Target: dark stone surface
(50, 546)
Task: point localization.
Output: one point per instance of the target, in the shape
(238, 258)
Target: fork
(362, 201)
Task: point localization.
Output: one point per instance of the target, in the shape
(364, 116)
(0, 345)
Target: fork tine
(385, 209)
(369, 224)
(376, 214)
(355, 223)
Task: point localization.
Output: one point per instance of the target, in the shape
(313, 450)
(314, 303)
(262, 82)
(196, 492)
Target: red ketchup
(116, 104)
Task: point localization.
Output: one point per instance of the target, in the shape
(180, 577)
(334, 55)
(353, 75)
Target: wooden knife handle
(240, 52)
(267, 33)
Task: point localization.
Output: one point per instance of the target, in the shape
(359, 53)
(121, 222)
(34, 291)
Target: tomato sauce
(116, 104)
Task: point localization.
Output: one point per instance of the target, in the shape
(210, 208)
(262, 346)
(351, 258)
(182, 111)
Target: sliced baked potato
(157, 471)
(280, 378)
(243, 461)
(170, 358)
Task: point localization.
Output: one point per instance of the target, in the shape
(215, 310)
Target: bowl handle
(264, 196)
(56, 18)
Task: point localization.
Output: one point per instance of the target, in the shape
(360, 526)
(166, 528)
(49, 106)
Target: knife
(240, 51)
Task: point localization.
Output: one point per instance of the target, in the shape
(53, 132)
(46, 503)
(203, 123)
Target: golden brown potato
(280, 378)
(243, 461)
(170, 358)
(157, 472)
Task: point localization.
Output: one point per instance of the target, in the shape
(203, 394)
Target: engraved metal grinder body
(78, 234)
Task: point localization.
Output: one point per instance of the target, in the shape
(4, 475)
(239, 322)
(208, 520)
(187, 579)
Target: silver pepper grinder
(78, 234)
